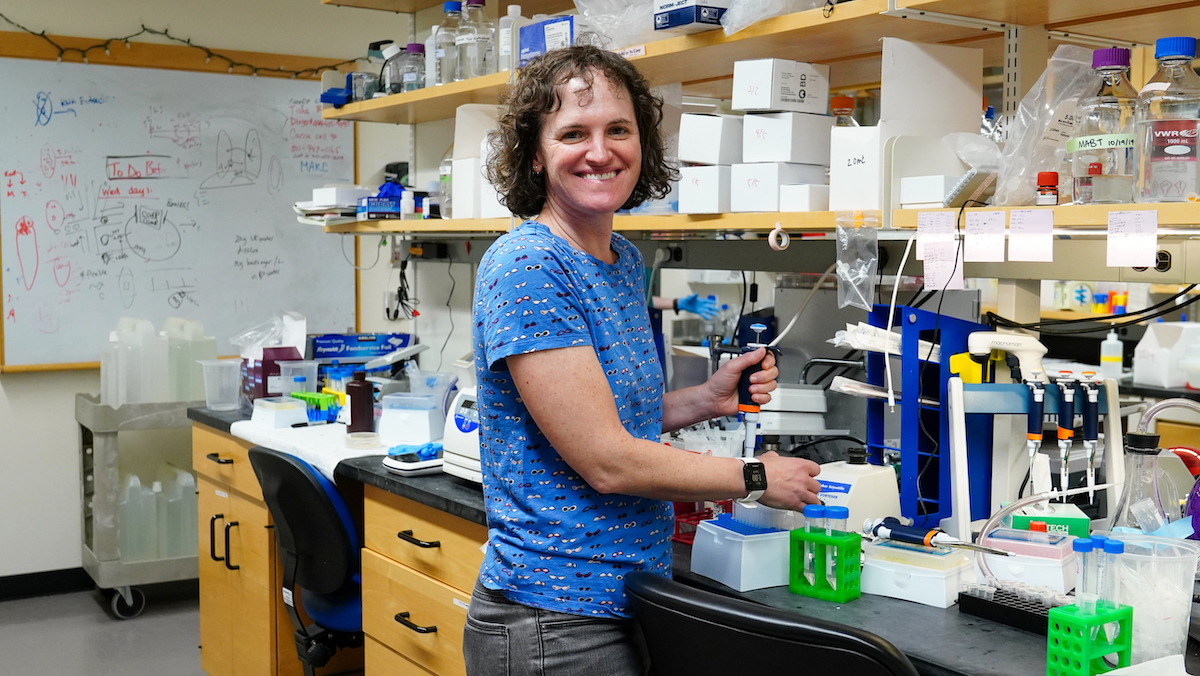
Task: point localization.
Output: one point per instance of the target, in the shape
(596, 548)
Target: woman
(570, 390)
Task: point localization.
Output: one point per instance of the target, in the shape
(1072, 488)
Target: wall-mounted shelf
(528, 7)
(1055, 14)
(851, 32)
(1170, 215)
(675, 224)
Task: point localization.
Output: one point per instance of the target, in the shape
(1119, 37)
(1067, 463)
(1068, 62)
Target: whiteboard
(152, 194)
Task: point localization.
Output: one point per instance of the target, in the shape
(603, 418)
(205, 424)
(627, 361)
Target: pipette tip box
(742, 561)
(925, 575)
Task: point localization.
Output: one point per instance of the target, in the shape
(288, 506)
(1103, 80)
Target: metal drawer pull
(218, 459)
(229, 525)
(212, 537)
(402, 618)
(407, 536)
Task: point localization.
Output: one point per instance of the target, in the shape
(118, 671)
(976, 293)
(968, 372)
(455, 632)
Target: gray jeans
(503, 638)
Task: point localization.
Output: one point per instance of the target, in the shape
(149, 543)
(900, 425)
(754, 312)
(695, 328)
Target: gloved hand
(702, 306)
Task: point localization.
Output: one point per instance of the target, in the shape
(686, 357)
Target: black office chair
(691, 632)
(319, 547)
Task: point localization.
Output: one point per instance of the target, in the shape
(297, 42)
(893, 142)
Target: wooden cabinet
(419, 566)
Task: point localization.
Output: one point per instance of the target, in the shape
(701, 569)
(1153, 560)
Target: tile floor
(72, 635)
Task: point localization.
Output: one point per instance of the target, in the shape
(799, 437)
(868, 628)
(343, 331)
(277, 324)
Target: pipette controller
(1089, 405)
(746, 405)
(1066, 423)
(890, 528)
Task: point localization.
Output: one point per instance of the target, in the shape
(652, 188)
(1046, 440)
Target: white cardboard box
(810, 197)
(1156, 357)
(778, 84)
(786, 137)
(472, 122)
(704, 190)
(926, 189)
(755, 187)
(341, 195)
(710, 139)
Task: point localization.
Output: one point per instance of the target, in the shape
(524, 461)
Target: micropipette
(1033, 430)
(890, 528)
(1066, 423)
(1089, 404)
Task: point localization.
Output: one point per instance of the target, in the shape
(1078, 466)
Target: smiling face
(589, 151)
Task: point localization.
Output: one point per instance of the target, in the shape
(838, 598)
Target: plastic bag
(623, 23)
(1045, 121)
(857, 258)
(742, 13)
(287, 329)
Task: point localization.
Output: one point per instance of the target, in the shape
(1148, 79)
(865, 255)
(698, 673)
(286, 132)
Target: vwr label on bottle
(1173, 141)
(1101, 142)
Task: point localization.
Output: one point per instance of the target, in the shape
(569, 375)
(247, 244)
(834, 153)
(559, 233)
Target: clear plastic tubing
(1085, 585)
(1110, 569)
(814, 522)
(835, 522)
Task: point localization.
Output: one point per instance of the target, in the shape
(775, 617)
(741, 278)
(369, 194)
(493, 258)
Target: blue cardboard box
(352, 348)
(545, 36)
(688, 16)
(377, 208)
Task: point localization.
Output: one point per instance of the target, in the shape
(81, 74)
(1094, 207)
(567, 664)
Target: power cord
(404, 307)
(382, 243)
(449, 312)
(1136, 317)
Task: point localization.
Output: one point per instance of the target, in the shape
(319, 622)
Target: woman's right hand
(791, 482)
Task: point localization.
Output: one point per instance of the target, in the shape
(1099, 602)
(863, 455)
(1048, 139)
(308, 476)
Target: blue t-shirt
(553, 541)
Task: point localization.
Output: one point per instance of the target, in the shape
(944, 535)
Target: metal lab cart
(99, 426)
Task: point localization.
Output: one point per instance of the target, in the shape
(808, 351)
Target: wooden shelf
(1055, 14)
(851, 32)
(528, 7)
(815, 221)
(1175, 214)
(1049, 314)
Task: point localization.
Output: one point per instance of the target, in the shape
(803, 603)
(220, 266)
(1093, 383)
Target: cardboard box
(801, 138)
(926, 189)
(355, 348)
(710, 139)
(755, 187)
(340, 195)
(793, 198)
(688, 16)
(1156, 357)
(766, 85)
(704, 190)
(545, 36)
(378, 208)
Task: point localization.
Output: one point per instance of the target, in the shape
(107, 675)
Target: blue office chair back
(319, 547)
(690, 632)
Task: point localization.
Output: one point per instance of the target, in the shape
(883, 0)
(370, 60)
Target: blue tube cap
(814, 511)
(836, 512)
(1082, 545)
(1097, 540)
(1114, 547)
(1177, 46)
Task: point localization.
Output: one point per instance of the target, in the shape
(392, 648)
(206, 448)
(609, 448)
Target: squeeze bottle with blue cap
(1166, 116)
(814, 522)
(1112, 356)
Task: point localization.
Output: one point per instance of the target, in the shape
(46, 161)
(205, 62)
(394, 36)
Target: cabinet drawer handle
(229, 525)
(212, 538)
(218, 459)
(407, 536)
(402, 618)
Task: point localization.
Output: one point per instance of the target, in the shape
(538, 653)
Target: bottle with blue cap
(1167, 116)
(445, 53)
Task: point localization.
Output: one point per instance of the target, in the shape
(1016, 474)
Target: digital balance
(460, 441)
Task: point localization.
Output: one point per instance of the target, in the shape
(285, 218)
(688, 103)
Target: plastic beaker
(222, 383)
(290, 370)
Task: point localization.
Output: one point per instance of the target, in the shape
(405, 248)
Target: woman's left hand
(723, 385)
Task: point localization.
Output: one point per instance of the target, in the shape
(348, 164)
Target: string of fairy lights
(106, 46)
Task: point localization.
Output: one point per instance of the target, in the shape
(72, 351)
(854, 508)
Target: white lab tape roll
(778, 239)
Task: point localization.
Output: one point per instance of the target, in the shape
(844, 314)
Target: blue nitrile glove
(701, 306)
(390, 189)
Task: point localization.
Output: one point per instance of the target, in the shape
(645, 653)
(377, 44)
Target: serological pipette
(1089, 404)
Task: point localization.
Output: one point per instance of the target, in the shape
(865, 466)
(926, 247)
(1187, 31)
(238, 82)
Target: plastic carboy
(1102, 150)
(1167, 115)
(445, 52)
(476, 42)
(1149, 496)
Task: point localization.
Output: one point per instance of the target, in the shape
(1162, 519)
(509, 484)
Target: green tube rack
(848, 572)
(1076, 644)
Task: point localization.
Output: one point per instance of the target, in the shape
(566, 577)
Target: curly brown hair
(537, 92)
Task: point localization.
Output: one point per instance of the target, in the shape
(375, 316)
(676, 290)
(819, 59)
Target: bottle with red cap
(843, 111)
(1166, 118)
(1047, 190)
(1102, 151)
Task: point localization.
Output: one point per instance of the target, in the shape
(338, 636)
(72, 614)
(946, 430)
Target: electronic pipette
(890, 528)
(746, 405)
